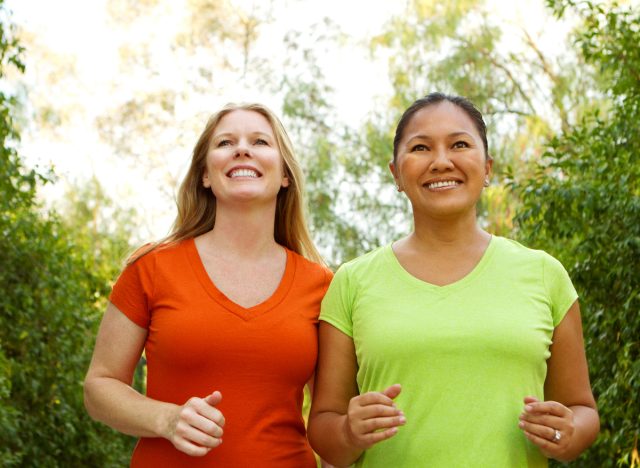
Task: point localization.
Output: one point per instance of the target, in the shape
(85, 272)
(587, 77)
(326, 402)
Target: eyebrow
(229, 134)
(450, 135)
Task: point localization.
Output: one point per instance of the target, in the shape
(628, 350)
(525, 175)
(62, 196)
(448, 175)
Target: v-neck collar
(245, 313)
(456, 285)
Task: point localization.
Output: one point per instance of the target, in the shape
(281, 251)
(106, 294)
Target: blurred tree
(48, 317)
(102, 227)
(320, 138)
(583, 204)
(455, 47)
(174, 69)
(524, 91)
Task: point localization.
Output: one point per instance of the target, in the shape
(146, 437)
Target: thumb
(392, 391)
(214, 398)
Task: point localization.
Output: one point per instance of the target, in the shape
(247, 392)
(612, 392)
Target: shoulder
(366, 265)
(516, 255)
(310, 270)
(515, 250)
(153, 253)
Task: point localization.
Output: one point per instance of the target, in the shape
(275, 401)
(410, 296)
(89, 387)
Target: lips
(246, 172)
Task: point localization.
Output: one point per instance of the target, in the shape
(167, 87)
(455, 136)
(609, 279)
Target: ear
(393, 169)
(285, 182)
(206, 183)
(488, 166)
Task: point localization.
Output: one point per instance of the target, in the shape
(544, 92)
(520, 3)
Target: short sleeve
(562, 293)
(132, 292)
(337, 304)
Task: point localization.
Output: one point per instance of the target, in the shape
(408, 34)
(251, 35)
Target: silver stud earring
(486, 182)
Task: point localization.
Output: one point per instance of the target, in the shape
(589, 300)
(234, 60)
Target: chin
(448, 210)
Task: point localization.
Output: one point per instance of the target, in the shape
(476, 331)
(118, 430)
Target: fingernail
(402, 420)
(521, 424)
(528, 407)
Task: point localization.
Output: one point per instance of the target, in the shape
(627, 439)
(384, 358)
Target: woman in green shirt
(450, 347)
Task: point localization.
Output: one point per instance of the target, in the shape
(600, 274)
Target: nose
(242, 149)
(441, 162)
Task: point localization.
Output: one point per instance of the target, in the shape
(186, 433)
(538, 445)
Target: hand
(196, 427)
(370, 412)
(540, 421)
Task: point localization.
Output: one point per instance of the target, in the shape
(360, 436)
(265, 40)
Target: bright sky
(80, 29)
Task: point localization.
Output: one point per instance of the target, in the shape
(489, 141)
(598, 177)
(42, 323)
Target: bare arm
(193, 428)
(570, 407)
(342, 423)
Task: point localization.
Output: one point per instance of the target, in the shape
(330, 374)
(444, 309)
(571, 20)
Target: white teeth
(243, 173)
(444, 183)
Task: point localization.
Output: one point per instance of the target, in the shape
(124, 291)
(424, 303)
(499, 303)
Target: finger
(544, 419)
(546, 446)
(199, 438)
(530, 399)
(201, 415)
(392, 391)
(548, 407)
(208, 420)
(375, 437)
(212, 413)
(543, 432)
(205, 425)
(375, 424)
(214, 398)
(191, 449)
(372, 398)
(376, 411)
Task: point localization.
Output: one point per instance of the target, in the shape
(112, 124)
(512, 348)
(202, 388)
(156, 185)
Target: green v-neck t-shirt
(466, 354)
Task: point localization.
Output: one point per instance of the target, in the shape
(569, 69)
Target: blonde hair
(197, 204)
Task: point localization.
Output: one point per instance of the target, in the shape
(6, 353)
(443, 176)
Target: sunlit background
(119, 90)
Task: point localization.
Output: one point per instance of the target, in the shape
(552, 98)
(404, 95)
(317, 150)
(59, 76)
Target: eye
(461, 144)
(260, 141)
(224, 143)
(419, 147)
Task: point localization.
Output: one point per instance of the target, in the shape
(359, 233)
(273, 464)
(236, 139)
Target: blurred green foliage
(583, 204)
(53, 292)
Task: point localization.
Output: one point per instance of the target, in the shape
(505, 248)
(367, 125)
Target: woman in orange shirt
(225, 308)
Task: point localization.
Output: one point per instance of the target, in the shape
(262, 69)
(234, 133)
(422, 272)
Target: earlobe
(285, 182)
(205, 181)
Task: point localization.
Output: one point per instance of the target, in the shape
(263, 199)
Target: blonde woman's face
(243, 162)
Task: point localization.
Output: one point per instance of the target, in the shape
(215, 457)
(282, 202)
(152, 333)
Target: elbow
(89, 406)
(328, 447)
(311, 434)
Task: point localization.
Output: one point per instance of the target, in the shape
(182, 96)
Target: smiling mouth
(442, 184)
(243, 172)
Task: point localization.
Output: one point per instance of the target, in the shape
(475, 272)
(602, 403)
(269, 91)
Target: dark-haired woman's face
(441, 163)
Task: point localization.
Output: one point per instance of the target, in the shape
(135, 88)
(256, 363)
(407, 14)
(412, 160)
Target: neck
(447, 234)
(243, 230)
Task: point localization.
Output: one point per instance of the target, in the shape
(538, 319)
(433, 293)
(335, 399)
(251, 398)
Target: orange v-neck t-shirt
(199, 341)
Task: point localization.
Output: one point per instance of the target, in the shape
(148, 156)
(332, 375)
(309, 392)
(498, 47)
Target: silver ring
(556, 436)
